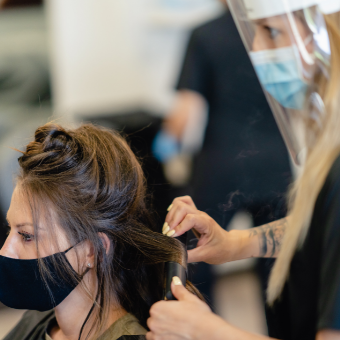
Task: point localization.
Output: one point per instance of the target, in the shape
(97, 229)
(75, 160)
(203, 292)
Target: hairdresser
(295, 51)
(253, 171)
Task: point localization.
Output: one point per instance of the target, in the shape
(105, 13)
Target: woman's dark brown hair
(92, 182)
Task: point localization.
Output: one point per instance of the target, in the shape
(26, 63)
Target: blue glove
(165, 146)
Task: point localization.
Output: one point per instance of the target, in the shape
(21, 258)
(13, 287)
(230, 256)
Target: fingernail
(166, 228)
(170, 207)
(177, 281)
(171, 233)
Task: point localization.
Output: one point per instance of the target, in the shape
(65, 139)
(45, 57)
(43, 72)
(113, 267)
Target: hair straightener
(175, 269)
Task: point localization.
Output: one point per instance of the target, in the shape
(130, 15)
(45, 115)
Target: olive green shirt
(126, 325)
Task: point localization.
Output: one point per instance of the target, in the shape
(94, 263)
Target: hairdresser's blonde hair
(326, 148)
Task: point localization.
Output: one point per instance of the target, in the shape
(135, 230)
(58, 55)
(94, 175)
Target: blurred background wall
(122, 55)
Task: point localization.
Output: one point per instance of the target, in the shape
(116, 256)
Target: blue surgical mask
(279, 73)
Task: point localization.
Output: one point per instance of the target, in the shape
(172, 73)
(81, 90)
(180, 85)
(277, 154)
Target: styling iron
(175, 269)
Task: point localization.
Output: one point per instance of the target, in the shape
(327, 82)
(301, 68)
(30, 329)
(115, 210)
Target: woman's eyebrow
(19, 225)
(24, 224)
(260, 21)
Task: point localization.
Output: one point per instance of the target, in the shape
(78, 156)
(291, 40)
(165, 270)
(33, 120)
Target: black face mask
(22, 286)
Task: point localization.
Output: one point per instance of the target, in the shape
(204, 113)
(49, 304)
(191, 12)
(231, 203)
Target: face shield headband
(329, 6)
(288, 44)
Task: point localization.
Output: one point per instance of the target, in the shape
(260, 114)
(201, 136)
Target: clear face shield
(288, 44)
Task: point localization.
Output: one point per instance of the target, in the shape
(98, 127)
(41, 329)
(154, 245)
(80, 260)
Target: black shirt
(311, 298)
(243, 148)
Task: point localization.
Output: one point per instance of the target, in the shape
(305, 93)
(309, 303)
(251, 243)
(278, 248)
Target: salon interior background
(115, 64)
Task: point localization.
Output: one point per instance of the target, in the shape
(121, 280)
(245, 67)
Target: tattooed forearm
(270, 237)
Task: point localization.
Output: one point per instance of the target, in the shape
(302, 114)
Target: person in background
(242, 137)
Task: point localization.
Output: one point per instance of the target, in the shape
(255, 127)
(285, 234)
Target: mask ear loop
(87, 317)
(94, 303)
(87, 268)
(91, 310)
(68, 249)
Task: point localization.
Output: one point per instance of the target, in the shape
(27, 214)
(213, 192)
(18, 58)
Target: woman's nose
(8, 250)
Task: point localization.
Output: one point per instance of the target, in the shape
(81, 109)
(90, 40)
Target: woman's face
(276, 32)
(21, 243)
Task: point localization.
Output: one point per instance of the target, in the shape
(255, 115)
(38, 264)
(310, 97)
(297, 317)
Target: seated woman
(82, 252)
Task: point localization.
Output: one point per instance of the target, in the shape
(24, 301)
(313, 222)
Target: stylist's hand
(215, 245)
(187, 318)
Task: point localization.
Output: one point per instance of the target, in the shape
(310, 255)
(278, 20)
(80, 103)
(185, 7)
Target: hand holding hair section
(215, 245)
(186, 318)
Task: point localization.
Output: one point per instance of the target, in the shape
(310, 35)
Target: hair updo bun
(52, 145)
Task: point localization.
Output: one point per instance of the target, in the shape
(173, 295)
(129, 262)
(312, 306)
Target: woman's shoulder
(31, 326)
(125, 328)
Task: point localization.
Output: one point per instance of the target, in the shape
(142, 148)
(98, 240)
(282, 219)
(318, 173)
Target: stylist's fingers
(185, 199)
(176, 216)
(200, 254)
(181, 211)
(178, 320)
(199, 221)
(179, 201)
(180, 292)
(150, 336)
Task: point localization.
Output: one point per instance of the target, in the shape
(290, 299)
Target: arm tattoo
(270, 237)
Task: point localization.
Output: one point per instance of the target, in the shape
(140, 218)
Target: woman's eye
(26, 236)
(273, 32)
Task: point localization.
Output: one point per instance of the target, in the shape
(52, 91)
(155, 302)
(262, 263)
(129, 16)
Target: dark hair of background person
(19, 3)
(88, 181)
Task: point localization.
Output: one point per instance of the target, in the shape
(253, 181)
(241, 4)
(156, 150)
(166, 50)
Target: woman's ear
(89, 249)
(105, 241)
